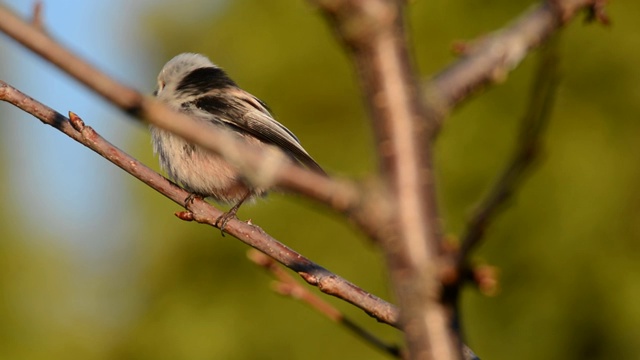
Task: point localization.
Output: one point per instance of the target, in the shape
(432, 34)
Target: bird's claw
(222, 220)
(191, 198)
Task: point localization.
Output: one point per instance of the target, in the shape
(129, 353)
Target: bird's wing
(246, 113)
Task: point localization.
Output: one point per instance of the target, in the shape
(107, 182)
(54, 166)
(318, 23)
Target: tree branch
(402, 214)
(260, 169)
(373, 32)
(490, 59)
(37, 20)
(405, 125)
(286, 285)
(534, 122)
(203, 212)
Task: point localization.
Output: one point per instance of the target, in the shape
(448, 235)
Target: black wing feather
(254, 120)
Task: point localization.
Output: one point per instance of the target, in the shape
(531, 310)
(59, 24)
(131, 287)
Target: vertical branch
(37, 20)
(374, 33)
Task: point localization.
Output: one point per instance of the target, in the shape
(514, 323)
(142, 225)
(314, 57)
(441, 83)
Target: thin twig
(286, 285)
(534, 122)
(490, 59)
(37, 20)
(203, 212)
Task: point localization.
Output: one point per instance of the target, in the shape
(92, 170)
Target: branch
(373, 33)
(286, 285)
(402, 215)
(534, 122)
(37, 21)
(490, 59)
(260, 169)
(203, 212)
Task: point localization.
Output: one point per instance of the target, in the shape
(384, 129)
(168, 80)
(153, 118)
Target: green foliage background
(567, 248)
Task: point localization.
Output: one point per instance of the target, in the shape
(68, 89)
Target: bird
(191, 84)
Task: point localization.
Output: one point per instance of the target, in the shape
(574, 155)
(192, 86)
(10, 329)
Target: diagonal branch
(534, 122)
(203, 212)
(261, 169)
(286, 285)
(490, 59)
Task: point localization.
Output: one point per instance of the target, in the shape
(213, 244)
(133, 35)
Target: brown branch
(491, 58)
(36, 20)
(260, 169)
(286, 285)
(534, 122)
(203, 212)
(402, 217)
(373, 32)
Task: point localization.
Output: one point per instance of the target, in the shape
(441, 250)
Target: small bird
(190, 83)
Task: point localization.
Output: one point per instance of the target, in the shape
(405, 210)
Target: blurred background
(93, 264)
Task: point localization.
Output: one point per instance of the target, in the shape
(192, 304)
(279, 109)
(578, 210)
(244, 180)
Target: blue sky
(66, 187)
